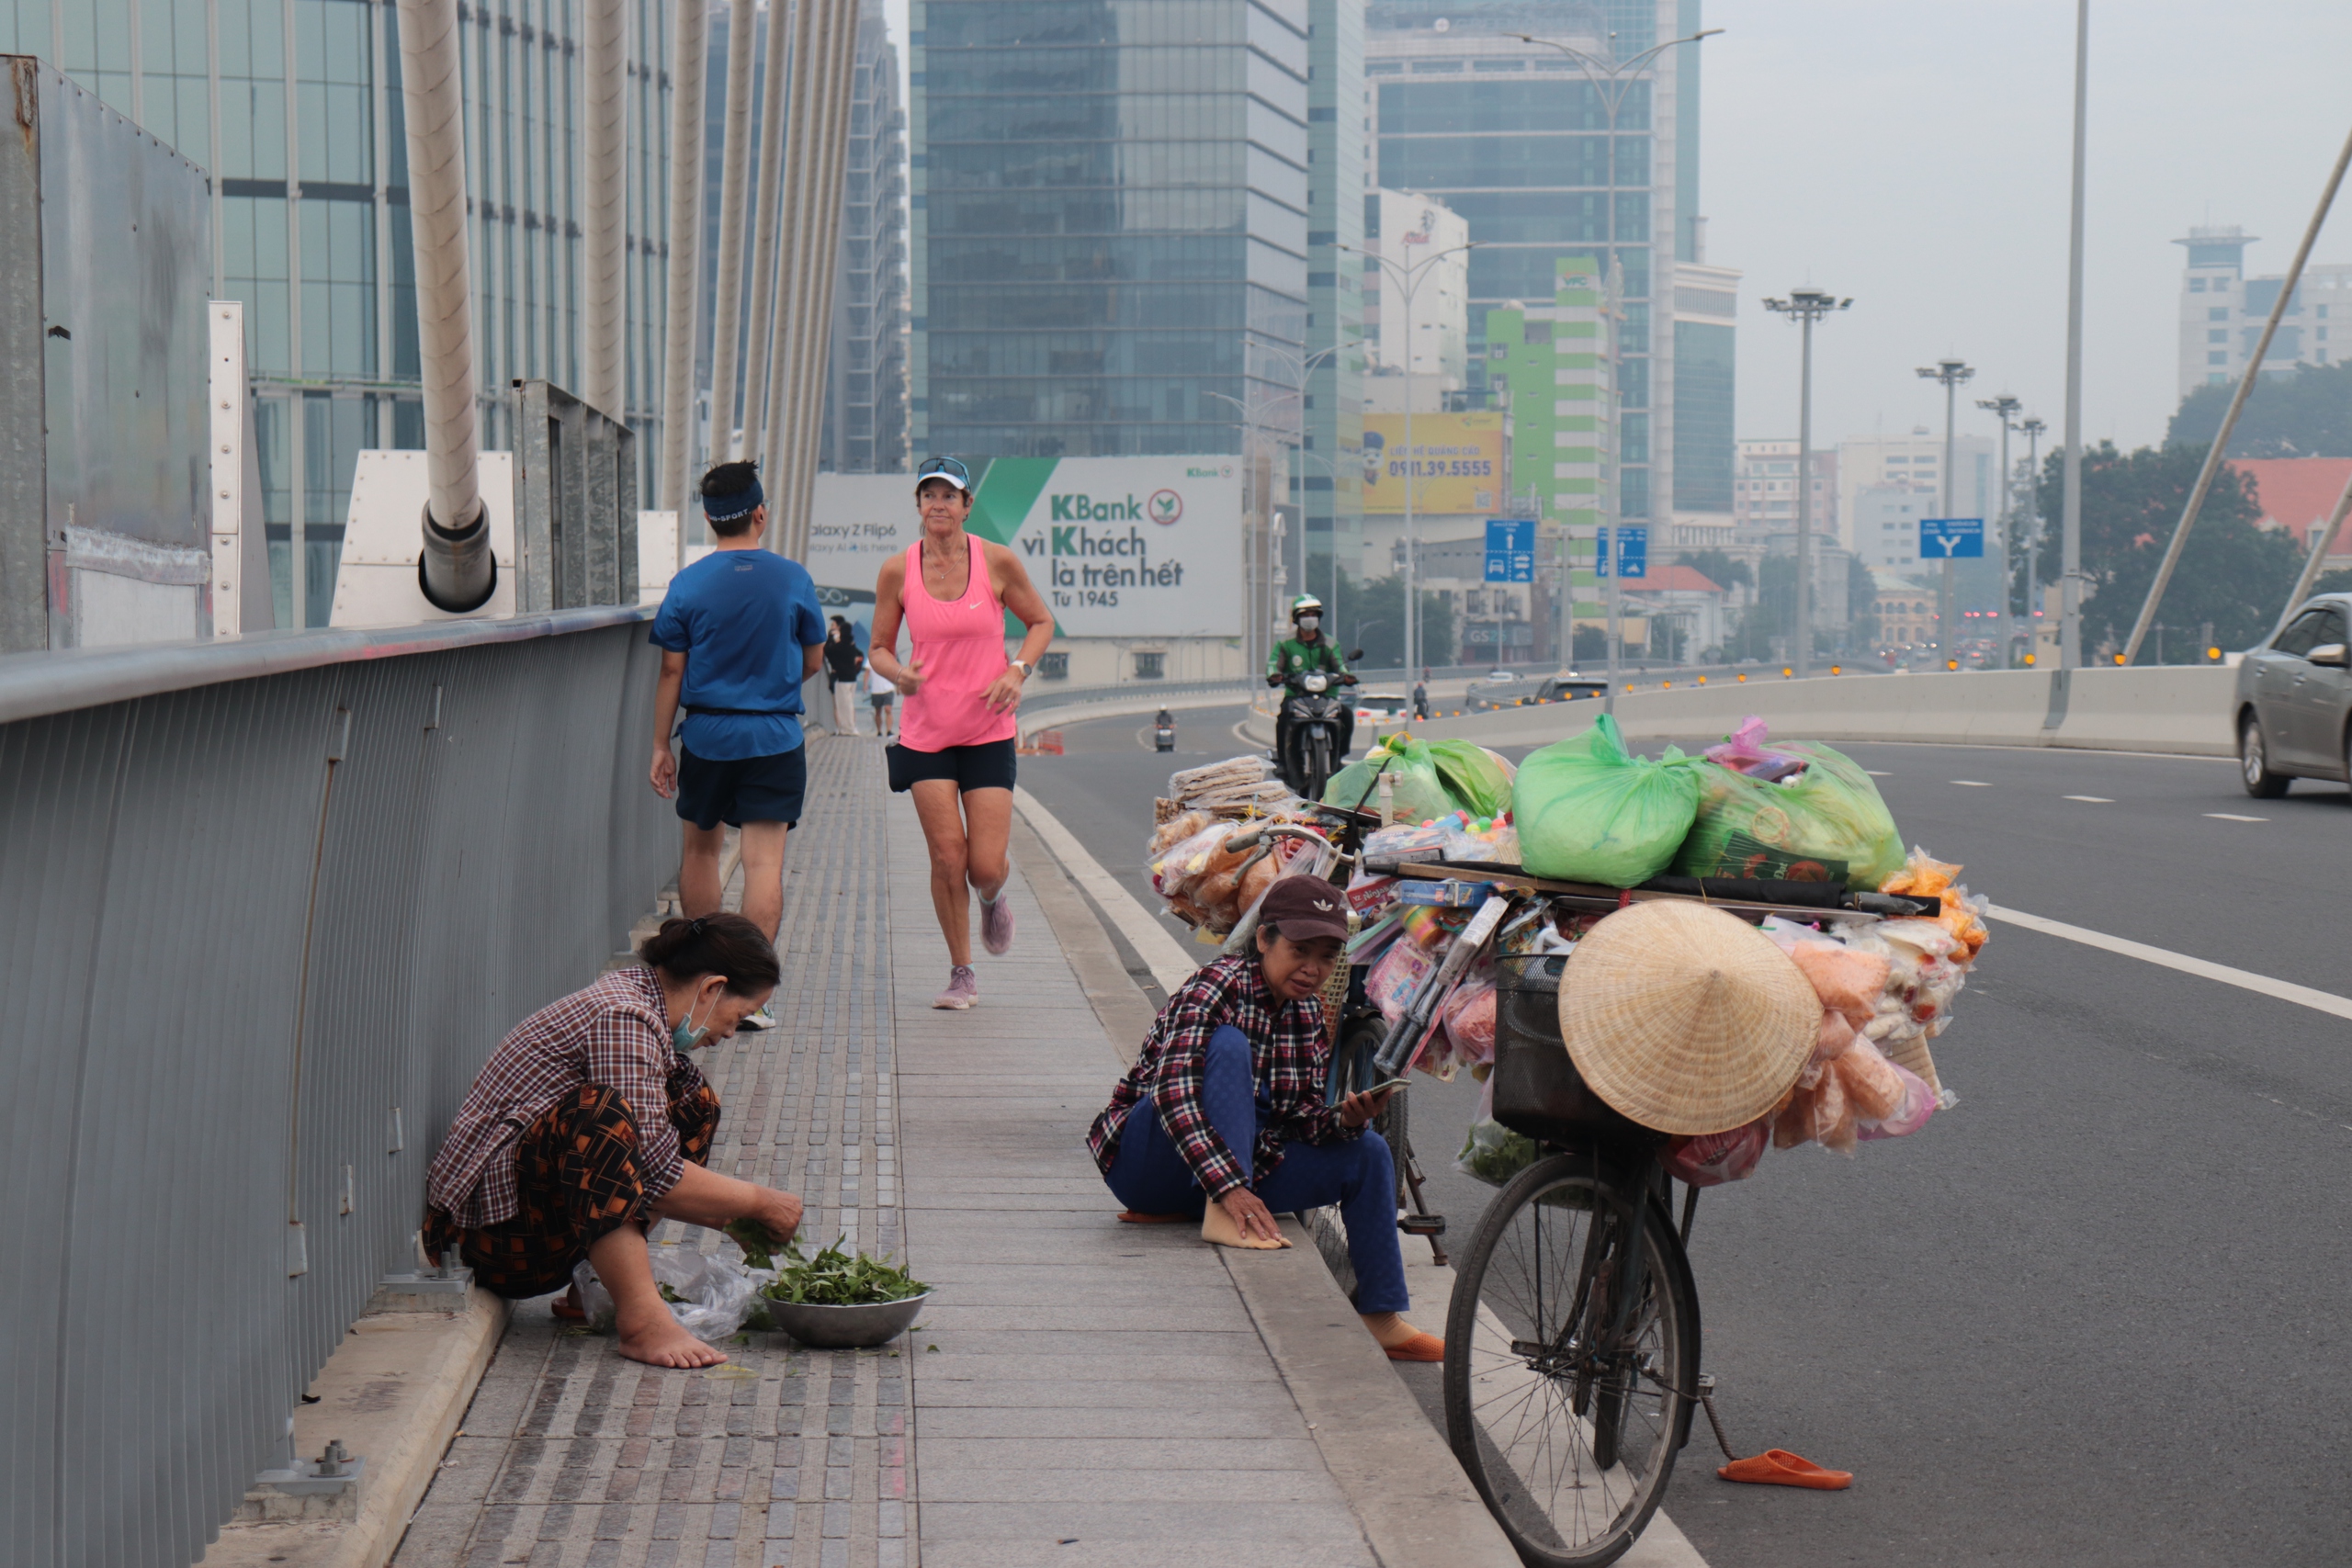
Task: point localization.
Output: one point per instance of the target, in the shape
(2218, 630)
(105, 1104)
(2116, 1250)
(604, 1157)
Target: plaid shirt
(616, 1032)
(1288, 1054)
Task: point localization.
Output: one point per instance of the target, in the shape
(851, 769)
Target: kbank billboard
(1120, 546)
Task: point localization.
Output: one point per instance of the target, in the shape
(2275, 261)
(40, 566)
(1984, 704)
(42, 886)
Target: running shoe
(756, 1021)
(963, 989)
(995, 924)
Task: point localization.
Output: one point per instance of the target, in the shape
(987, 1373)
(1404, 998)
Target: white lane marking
(2090, 799)
(1878, 774)
(1972, 783)
(2204, 969)
(1162, 954)
(2233, 817)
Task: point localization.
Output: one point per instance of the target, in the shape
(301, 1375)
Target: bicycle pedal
(1422, 1224)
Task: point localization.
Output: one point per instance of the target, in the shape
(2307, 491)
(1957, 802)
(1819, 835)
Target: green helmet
(1306, 604)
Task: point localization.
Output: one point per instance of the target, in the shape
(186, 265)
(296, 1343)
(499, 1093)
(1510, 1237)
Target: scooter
(1163, 733)
(1315, 715)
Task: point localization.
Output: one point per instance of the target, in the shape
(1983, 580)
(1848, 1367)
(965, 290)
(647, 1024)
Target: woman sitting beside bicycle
(1223, 1119)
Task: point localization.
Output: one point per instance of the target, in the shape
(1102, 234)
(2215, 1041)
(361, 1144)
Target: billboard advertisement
(1456, 463)
(1120, 546)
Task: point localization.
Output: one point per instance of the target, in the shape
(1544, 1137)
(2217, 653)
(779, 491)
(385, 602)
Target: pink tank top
(961, 649)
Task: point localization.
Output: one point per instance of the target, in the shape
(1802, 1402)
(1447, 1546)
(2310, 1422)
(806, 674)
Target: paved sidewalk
(1098, 1392)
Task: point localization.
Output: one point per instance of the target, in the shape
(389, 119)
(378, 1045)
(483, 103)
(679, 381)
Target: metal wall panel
(240, 921)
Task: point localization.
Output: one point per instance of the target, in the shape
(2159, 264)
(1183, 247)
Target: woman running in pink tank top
(954, 752)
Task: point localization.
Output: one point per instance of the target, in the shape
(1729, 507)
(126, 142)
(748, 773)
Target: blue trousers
(1149, 1176)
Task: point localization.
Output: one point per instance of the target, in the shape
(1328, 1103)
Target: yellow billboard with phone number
(1455, 464)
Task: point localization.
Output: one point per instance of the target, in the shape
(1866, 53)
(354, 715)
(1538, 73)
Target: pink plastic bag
(1470, 1022)
(1745, 752)
(1713, 1158)
(1397, 977)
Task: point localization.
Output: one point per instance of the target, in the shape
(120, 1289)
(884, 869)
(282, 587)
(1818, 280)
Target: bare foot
(665, 1344)
(1390, 1328)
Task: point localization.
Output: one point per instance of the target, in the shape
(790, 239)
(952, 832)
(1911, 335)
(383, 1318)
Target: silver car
(2293, 695)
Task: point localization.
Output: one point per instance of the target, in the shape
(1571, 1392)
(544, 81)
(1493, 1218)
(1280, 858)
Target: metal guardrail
(1042, 696)
(264, 909)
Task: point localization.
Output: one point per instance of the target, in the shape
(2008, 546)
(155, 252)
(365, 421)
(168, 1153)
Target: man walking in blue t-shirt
(740, 630)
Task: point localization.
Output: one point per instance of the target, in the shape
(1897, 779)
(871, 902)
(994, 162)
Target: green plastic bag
(1420, 793)
(1827, 824)
(1478, 780)
(1589, 810)
(1433, 779)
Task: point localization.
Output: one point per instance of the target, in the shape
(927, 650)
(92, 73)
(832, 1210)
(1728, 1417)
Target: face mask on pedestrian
(684, 1035)
(1310, 623)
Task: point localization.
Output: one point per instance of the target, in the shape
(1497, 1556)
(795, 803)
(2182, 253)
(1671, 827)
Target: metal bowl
(844, 1327)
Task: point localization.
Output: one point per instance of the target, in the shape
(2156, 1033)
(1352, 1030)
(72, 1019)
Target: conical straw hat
(1686, 1019)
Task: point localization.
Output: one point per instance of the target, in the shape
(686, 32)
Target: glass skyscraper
(1109, 226)
(866, 379)
(1515, 138)
(294, 107)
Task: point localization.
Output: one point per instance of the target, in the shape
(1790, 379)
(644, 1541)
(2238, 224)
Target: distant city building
(2223, 312)
(2299, 494)
(1513, 137)
(1764, 486)
(1549, 364)
(1905, 609)
(865, 388)
(1913, 462)
(1327, 483)
(1424, 241)
(1109, 227)
(1885, 524)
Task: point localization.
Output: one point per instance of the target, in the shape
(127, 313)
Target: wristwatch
(1021, 665)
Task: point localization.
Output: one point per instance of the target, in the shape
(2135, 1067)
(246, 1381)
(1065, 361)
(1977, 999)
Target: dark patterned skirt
(577, 1179)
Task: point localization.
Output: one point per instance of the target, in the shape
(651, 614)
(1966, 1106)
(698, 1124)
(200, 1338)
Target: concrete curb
(1415, 1505)
(394, 1391)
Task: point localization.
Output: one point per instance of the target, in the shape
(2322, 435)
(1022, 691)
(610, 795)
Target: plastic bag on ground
(715, 1295)
(1589, 810)
(1825, 825)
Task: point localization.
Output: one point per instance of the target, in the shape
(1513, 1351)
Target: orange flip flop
(1777, 1467)
(564, 1311)
(1422, 1346)
(1129, 1217)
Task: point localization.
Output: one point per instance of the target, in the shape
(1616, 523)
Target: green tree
(1590, 646)
(1717, 567)
(1861, 599)
(2306, 413)
(1371, 615)
(2231, 574)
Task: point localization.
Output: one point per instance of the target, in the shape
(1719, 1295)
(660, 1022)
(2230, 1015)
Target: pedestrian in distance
(885, 698)
(1421, 700)
(740, 631)
(954, 752)
(590, 1122)
(845, 661)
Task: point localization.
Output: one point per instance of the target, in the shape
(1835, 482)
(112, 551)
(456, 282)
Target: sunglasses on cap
(947, 468)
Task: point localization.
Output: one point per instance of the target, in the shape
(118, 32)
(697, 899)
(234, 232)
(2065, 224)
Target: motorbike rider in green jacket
(1306, 651)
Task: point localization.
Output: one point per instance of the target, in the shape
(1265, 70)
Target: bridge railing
(264, 909)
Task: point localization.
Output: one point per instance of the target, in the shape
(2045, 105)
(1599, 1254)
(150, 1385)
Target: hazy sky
(1914, 155)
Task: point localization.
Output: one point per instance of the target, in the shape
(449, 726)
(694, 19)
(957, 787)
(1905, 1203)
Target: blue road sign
(1952, 538)
(1636, 562)
(1510, 550)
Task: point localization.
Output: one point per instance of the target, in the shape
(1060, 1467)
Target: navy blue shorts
(989, 765)
(742, 789)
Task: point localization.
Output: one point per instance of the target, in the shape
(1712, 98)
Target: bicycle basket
(1538, 1090)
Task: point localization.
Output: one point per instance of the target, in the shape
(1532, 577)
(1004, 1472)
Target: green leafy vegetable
(833, 1278)
(759, 1248)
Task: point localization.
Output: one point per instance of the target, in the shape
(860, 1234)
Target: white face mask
(1310, 623)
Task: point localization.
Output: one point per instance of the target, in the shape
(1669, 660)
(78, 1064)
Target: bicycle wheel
(1564, 1408)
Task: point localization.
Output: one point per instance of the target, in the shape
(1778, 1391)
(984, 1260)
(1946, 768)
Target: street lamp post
(1952, 373)
(1612, 83)
(1306, 366)
(1409, 275)
(1804, 307)
(2003, 408)
(2033, 428)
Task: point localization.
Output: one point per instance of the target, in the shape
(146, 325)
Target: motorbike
(1317, 720)
(1163, 734)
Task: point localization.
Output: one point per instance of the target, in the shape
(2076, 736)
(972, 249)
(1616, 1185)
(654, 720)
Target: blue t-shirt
(742, 618)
